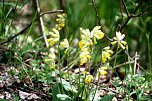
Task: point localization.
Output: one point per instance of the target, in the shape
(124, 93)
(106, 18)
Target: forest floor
(12, 89)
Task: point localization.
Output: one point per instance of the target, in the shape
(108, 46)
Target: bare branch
(123, 64)
(135, 10)
(97, 15)
(41, 24)
(125, 7)
(99, 20)
(23, 30)
(144, 12)
(50, 12)
(121, 11)
(131, 16)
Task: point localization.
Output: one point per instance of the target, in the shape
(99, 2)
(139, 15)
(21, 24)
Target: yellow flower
(101, 72)
(60, 21)
(119, 39)
(50, 60)
(54, 37)
(86, 33)
(85, 72)
(104, 67)
(50, 57)
(84, 56)
(64, 44)
(88, 78)
(97, 33)
(56, 33)
(86, 36)
(84, 44)
(106, 54)
(52, 41)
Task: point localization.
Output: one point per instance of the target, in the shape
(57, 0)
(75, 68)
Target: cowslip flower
(88, 78)
(84, 44)
(86, 32)
(119, 39)
(50, 60)
(106, 54)
(102, 71)
(60, 21)
(86, 36)
(54, 37)
(104, 67)
(97, 33)
(50, 57)
(85, 72)
(64, 44)
(84, 56)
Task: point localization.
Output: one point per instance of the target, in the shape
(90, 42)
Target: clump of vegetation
(75, 55)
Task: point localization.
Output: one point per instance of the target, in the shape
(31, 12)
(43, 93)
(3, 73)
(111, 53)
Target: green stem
(149, 55)
(115, 58)
(59, 62)
(96, 89)
(115, 64)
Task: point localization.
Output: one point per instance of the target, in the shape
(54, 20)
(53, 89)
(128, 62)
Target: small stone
(114, 99)
(102, 92)
(110, 92)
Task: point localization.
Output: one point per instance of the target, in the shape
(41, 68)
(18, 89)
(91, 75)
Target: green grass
(62, 73)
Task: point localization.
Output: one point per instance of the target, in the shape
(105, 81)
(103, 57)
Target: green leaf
(94, 96)
(55, 91)
(107, 97)
(64, 97)
(79, 92)
(67, 86)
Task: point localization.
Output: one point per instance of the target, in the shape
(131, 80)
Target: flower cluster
(54, 37)
(88, 78)
(87, 40)
(106, 54)
(97, 33)
(64, 44)
(84, 56)
(50, 60)
(119, 39)
(102, 71)
(60, 21)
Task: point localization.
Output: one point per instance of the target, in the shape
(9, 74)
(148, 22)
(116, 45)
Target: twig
(99, 20)
(23, 30)
(131, 15)
(135, 10)
(41, 24)
(121, 11)
(97, 15)
(125, 7)
(48, 12)
(63, 5)
(123, 26)
(135, 64)
(143, 12)
(126, 63)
